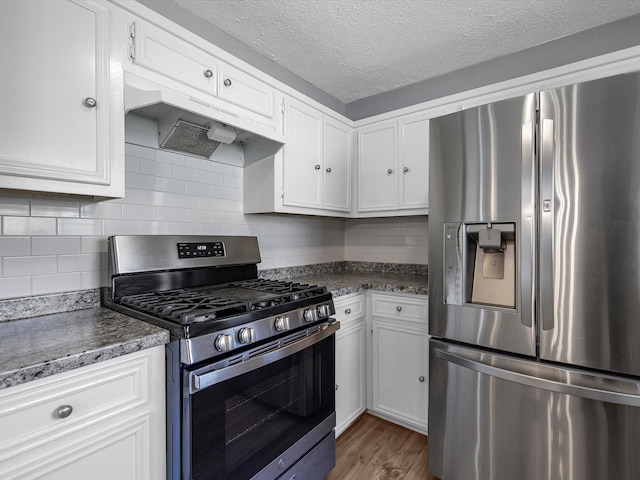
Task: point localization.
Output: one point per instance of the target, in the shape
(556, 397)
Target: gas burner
(185, 306)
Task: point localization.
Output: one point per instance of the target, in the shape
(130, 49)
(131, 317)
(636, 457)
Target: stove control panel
(195, 250)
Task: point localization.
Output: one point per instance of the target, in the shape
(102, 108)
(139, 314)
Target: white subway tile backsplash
(93, 245)
(121, 227)
(171, 214)
(14, 206)
(80, 226)
(21, 266)
(55, 245)
(102, 210)
(15, 246)
(15, 287)
(139, 212)
(170, 185)
(159, 199)
(198, 163)
(185, 201)
(138, 151)
(29, 226)
(65, 282)
(80, 263)
(168, 157)
(139, 180)
(155, 228)
(153, 167)
(54, 208)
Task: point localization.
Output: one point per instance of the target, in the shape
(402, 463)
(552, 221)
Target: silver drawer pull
(208, 73)
(421, 379)
(63, 411)
(347, 311)
(227, 82)
(398, 308)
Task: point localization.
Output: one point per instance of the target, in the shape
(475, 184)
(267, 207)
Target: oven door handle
(200, 381)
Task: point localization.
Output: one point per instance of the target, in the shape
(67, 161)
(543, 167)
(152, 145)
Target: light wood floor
(374, 449)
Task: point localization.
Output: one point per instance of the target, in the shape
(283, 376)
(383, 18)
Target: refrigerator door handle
(546, 287)
(583, 385)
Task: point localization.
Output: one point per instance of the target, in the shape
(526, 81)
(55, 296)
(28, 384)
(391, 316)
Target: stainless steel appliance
(251, 362)
(534, 286)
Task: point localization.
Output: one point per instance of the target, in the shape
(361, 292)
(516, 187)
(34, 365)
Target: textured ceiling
(353, 49)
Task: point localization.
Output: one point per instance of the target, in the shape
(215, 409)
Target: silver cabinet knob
(227, 82)
(329, 170)
(405, 169)
(336, 388)
(90, 102)
(347, 311)
(421, 379)
(63, 411)
(398, 308)
(208, 73)
(390, 171)
(223, 343)
(317, 167)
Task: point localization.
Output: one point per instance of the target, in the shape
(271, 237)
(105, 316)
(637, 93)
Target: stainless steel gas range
(251, 362)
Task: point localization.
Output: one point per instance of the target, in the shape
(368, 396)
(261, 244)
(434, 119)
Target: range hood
(160, 117)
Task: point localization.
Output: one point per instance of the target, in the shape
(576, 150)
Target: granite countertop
(344, 283)
(37, 347)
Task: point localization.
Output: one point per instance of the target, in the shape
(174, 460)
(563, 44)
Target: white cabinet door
(168, 55)
(401, 369)
(62, 120)
(414, 163)
(336, 154)
(350, 360)
(377, 165)
(302, 156)
(400, 358)
(245, 91)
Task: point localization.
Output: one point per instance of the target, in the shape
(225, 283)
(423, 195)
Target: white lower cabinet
(400, 357)
(103, 421)
(350, 360)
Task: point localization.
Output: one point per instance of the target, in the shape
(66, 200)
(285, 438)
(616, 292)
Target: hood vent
(189, 138)
(160, 117)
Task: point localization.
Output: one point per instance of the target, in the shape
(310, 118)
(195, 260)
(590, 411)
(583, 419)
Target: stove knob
(245, 335)
(223, 343)
(308, 315)
(281, 324)
(323, 311)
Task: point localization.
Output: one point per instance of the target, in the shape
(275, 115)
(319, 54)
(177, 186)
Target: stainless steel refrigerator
(534, 286)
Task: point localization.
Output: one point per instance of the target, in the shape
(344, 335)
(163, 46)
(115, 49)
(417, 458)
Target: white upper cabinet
(302, 156)
(246, 91)
(160, 54)
(312, 173)
(168, 55)
(61, 122)
(336, 161)
(393, 167)
(377, 168)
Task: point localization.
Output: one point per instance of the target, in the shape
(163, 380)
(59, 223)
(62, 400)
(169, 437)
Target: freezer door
(481, 225)
(589, 279)
(503, 418)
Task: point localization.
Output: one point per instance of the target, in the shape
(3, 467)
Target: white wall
(387, 240)
(50, 244)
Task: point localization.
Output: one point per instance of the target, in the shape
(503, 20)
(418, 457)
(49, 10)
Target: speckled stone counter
(343, 278)
(37, 347)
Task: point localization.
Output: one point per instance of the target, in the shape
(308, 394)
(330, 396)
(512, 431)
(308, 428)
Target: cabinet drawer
(401, 308)
(172, 57)
(245, 91)
(34, 413)
(349, 308)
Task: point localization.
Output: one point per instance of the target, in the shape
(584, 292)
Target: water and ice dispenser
(480, 264)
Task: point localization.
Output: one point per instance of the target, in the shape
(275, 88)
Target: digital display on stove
(194, 250)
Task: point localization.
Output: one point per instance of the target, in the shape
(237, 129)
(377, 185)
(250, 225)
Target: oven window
(242, 424)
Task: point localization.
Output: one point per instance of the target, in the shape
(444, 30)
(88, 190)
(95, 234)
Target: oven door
(256, 418)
